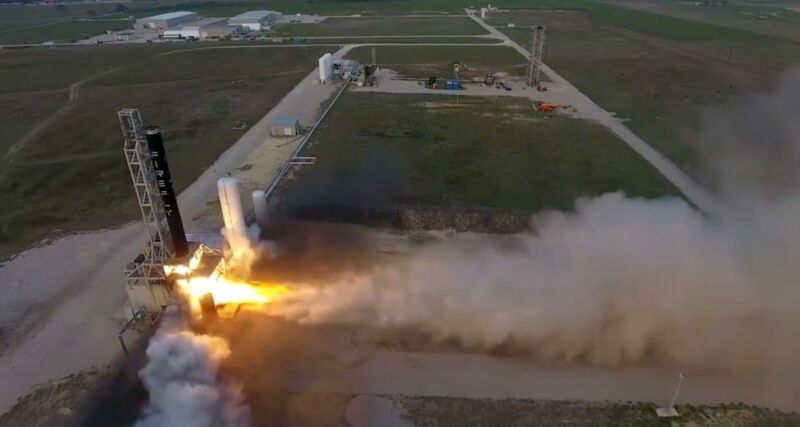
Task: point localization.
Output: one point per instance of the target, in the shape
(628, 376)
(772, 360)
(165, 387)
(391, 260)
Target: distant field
(440, 411)
(658, 82)
(768, 18)
(393, 40)
(72, 176)
(66, 32)
(380, 151)
(384, 26)
(422, 61)
(383, 7)
(12, 17)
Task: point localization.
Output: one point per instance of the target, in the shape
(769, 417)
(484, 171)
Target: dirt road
(387, 372)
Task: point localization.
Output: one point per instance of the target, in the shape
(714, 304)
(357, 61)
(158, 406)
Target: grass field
(21, 16)
(66, 32)
(378, 151)
(384, 26)
(72, 176)
(369, 7)
(422, 61)
(441, 411)
(660, 85)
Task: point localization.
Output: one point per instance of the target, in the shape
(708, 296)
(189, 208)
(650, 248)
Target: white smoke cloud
(182, 378)
(244, 249)
(618, 280)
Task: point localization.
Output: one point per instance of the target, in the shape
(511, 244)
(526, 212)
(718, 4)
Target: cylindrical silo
(323, 68)
(260, 207)
(231, 205)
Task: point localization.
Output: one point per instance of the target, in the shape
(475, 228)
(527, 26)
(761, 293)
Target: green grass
(32, 69)
(440, 411)
(65, 32)
(422, 61)
(660, 25)
(20, 112)
(383, 26)
(381, 150)
(225, 9)
(73, 177)
(13, 17)
(660, 86)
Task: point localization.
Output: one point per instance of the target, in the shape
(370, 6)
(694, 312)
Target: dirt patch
(59, 403)
(316, 410)
(480, 221)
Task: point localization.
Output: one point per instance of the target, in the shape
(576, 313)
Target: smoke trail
(618, 280)
(244, 249)
(182, 379)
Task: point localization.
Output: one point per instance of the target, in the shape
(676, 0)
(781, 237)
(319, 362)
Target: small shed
(285, 127)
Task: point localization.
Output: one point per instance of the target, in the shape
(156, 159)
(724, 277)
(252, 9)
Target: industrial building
(210, 29)
(166, 20)
(256, 20)
(285, 127)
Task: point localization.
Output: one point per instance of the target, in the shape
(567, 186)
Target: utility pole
(536, 55)
(374, 61)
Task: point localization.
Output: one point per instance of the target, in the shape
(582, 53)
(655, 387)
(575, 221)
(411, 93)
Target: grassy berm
(378, 152)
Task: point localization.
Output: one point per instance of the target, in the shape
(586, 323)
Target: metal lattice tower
(537, 53)
(137, 155)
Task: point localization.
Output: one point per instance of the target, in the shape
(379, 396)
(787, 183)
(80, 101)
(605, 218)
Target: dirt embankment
(478, 220)
(462, 220)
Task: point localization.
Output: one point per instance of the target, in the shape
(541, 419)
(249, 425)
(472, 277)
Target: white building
(256, 20)
(202, 32)
(209, 28)
(166, 20)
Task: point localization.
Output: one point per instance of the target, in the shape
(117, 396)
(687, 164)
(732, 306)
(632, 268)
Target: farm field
(660, 84)
(377, 152)
(384, 26)
(71, 176)
(423, 61)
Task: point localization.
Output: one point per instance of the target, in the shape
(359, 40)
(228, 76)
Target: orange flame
(224, 290)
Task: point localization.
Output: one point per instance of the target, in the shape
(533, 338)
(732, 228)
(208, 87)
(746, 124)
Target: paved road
(690, 189)
(387, 372)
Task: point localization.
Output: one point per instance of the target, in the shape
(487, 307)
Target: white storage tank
(325, 65)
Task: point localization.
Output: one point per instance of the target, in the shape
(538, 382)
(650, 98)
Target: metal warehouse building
(256, 20)
(166, 20)
(206, 29)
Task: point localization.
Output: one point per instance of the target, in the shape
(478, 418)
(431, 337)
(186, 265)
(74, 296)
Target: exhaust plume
(182, 378)
(617, 280)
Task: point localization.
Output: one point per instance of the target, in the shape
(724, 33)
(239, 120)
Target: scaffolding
(536, 55)
(146, 272)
